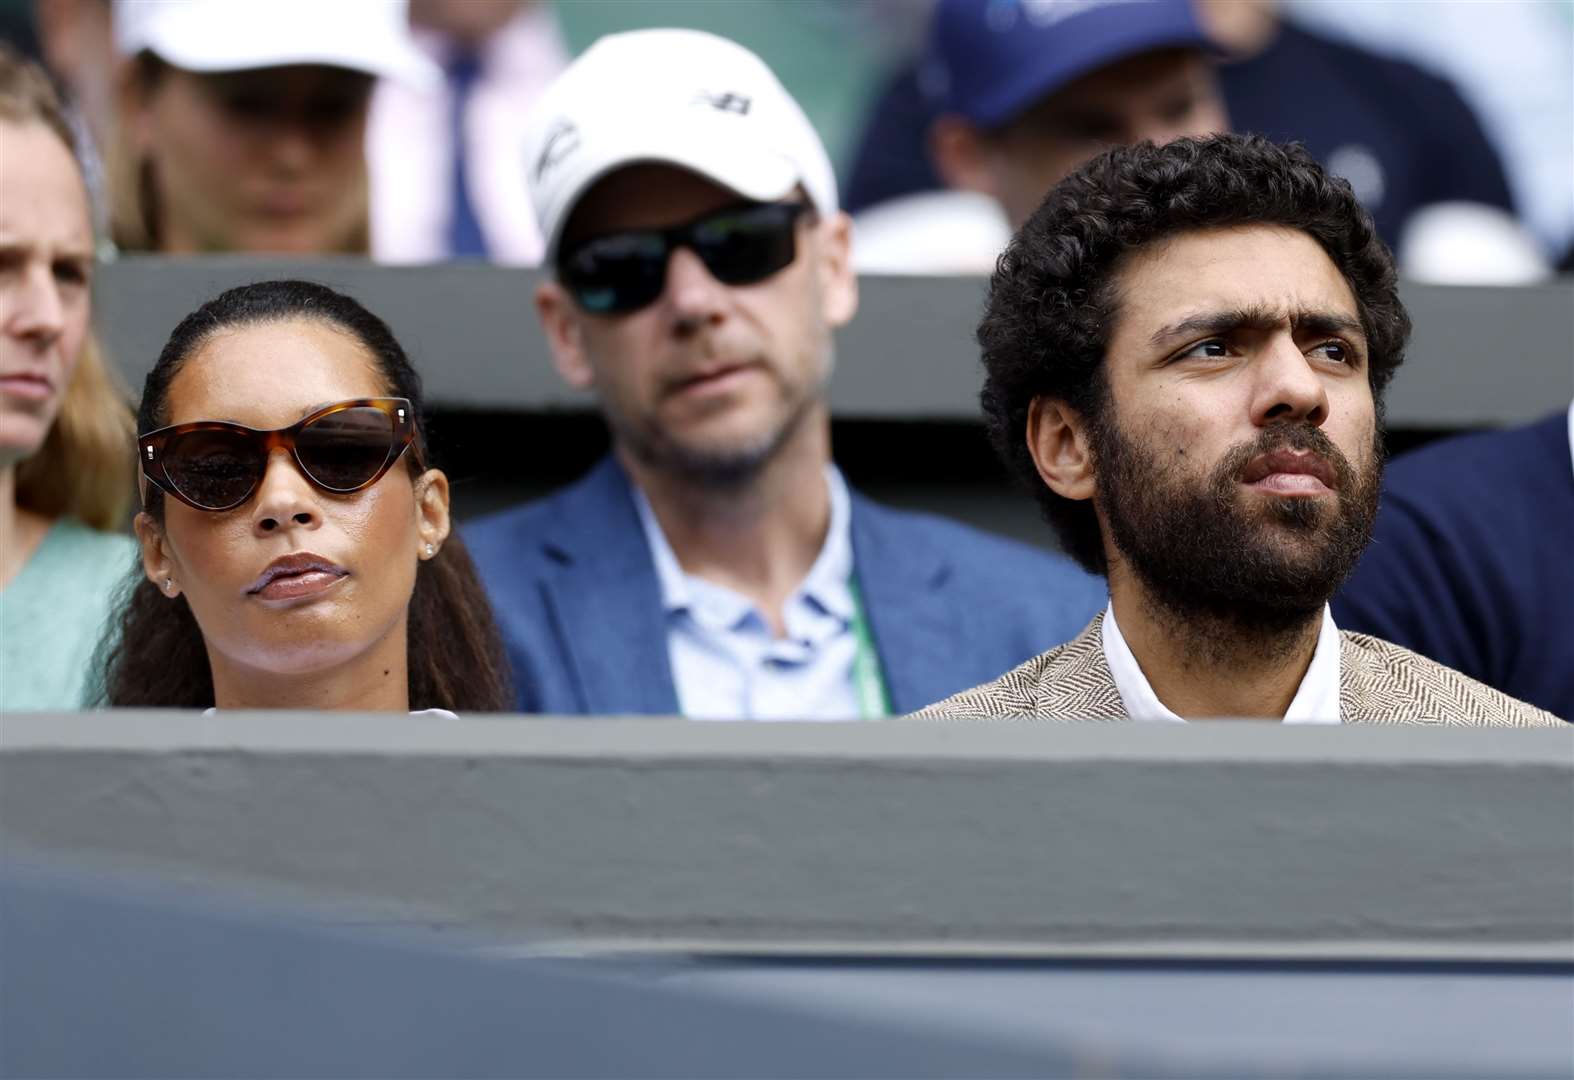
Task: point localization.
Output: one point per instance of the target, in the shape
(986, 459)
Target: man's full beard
(1234, 571)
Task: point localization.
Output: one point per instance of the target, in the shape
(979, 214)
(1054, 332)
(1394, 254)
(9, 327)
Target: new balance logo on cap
(724, 102)
(659, 97)
(561, 141)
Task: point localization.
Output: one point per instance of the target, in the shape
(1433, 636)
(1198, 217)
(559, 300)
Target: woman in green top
(65, 433)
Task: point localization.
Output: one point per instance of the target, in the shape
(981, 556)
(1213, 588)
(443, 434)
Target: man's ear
(158, 562)
(431, 508)
(1058, 440)
(565, 337)
(838, 280)
(957, 150)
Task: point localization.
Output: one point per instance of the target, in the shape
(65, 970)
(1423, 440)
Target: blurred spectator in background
(1023, 93)
(244, 121)
(1031, 91)
(716, 564)
(1412, 150)
(65, 431)
(77, 45)
(1472, 560)
(1016, 94)
(445, 158)
(1512, 60)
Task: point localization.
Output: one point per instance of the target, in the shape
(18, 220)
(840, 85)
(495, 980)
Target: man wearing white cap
(246, 120)
(716, 564)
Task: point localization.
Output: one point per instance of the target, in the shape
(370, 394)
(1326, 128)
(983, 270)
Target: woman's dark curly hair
(154, 655)
(1053, 301)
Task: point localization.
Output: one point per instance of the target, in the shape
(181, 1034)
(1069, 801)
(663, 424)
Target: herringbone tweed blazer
(1379, 683)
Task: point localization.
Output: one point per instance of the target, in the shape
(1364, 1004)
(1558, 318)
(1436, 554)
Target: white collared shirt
(726, 662)
(1316, 701)
(410, 146)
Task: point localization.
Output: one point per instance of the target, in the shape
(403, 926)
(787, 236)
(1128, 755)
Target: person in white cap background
(244, 121)
(716, 564)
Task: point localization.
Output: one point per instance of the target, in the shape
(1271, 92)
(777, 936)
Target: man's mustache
(1287, 437)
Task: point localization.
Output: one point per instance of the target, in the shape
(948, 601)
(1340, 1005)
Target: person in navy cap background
(1017, 95)
(1030, 91)
(1011, 95)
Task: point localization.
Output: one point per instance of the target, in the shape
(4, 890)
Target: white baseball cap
(230, 35)
(679, 97)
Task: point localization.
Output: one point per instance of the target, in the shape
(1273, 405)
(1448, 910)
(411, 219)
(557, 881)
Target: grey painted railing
(1213, 840)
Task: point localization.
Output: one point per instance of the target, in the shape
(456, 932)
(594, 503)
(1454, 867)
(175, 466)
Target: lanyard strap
(874, 700)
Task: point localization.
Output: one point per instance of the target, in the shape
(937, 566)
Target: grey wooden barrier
(1212, 840)
(1480, 356)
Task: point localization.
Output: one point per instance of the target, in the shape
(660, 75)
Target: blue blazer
(576, 596)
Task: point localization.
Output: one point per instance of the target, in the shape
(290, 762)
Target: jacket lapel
(903, 579)
(606, 601)
(1369, 694)
(1077, 683)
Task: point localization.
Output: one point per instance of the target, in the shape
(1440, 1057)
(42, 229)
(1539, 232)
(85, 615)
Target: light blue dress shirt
(727, 664)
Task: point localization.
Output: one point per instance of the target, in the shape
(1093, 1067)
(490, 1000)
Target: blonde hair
(84, 468)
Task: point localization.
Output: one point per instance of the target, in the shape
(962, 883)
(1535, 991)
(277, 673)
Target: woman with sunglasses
(65, 430)
(296, 546)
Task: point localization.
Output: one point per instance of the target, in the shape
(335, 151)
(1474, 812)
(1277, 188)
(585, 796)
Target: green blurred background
(828, 53)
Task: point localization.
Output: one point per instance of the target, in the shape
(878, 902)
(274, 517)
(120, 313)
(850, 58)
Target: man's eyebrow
(1258, 318)
(1328, 322)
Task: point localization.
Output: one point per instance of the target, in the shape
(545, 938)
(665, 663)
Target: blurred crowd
(1195, 215)
(370, 126)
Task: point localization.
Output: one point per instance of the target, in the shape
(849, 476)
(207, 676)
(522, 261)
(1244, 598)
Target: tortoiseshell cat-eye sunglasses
(341, 448)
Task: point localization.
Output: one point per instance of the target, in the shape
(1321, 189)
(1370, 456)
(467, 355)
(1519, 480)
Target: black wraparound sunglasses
(341, 448)
(625, 271)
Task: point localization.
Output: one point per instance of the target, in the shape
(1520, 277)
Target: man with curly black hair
(1186, 350)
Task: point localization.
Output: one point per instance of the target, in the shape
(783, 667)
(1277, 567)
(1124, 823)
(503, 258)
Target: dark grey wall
(1480, 356)
(101, 974)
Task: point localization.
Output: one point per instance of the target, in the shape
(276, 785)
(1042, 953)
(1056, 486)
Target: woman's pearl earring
(430, 551)
(169, 585)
